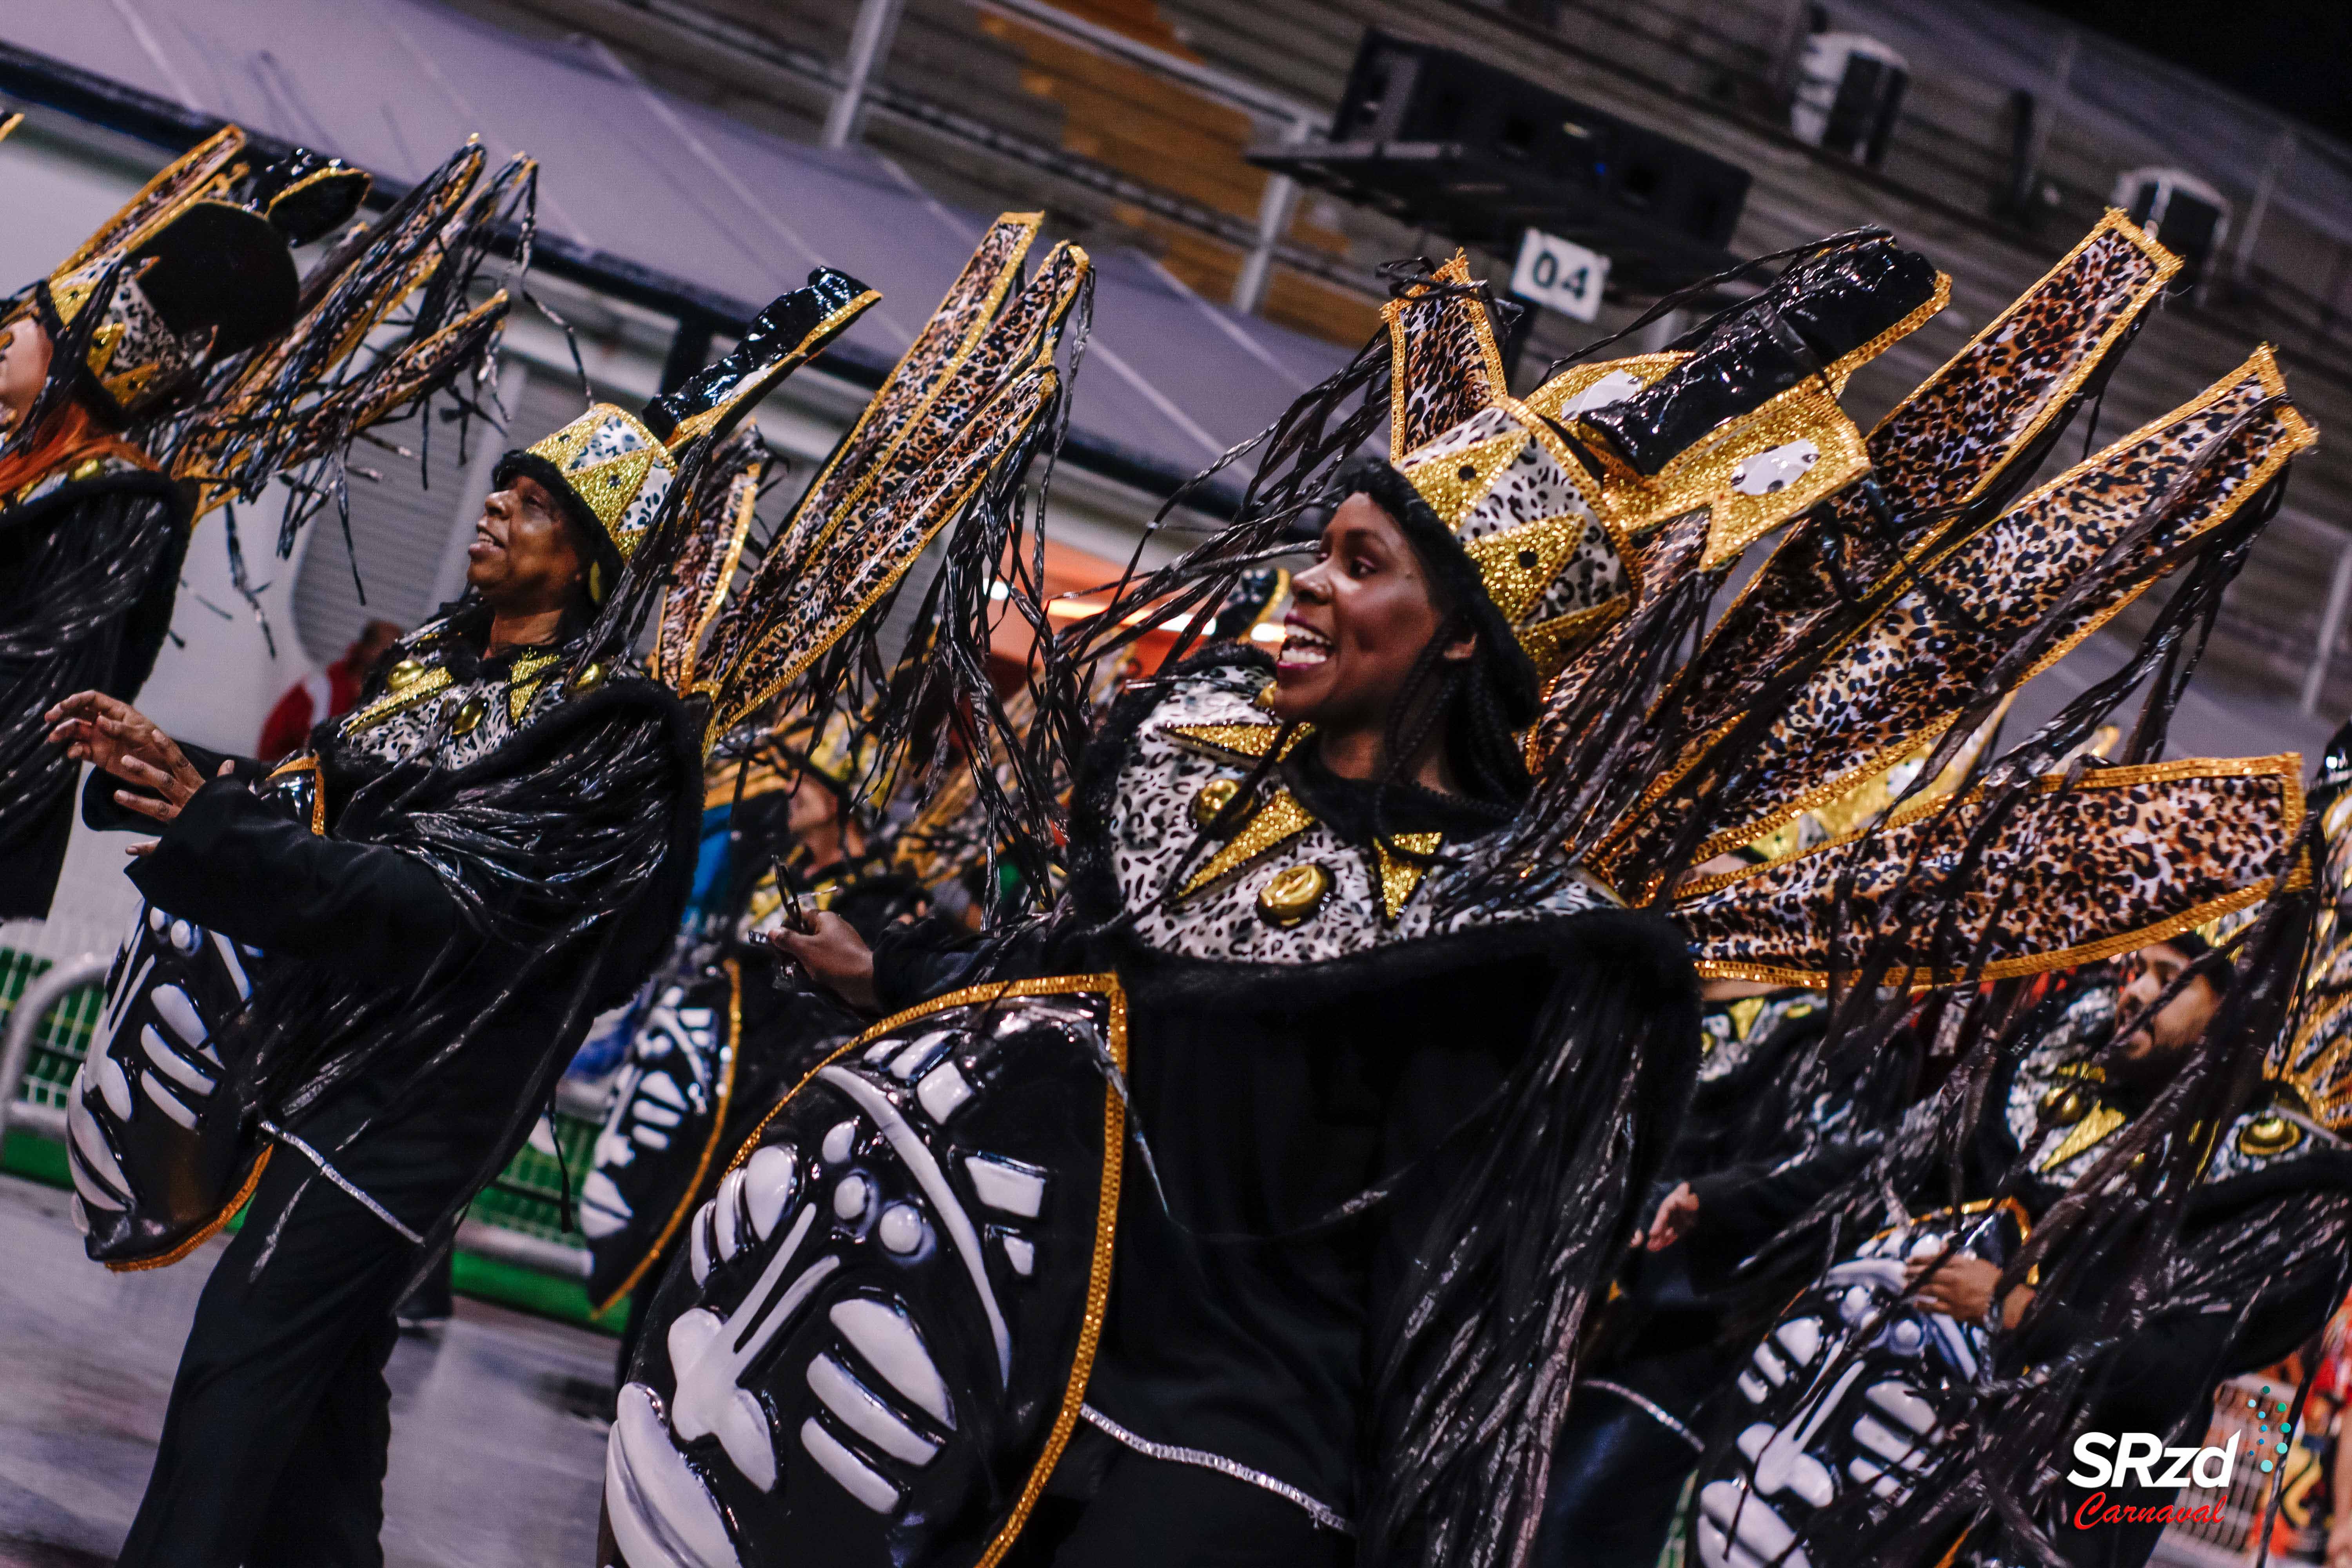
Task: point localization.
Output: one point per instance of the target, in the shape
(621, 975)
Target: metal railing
(51, 1010)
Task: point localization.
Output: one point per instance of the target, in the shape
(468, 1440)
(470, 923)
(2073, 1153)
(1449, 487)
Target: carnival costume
(190, 365)
(1861, 1409)
(356, 979)
(1288, 1159)
(1665, 1352)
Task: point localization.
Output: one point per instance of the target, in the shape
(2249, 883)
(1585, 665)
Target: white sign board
(1560, 275)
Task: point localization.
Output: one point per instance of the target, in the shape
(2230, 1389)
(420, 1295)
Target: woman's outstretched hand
(835, 956)
(95, 728)
(1678, 1213)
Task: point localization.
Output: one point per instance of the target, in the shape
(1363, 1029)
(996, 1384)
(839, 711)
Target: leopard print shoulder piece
(1286, 888)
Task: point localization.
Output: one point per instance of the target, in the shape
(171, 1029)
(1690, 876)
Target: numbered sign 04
(1560, 275)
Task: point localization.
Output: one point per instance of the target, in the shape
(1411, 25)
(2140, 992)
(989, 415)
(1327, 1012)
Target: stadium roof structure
(648, 197)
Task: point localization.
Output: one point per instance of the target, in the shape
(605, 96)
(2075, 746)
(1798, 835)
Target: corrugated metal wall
(401, 526)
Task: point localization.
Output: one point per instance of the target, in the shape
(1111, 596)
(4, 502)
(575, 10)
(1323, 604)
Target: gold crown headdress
(619, 468)
(1547, 498)
(199, 265)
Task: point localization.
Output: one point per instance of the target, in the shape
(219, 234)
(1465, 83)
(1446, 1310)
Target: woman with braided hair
(1267, 1099)
(1253, 1206)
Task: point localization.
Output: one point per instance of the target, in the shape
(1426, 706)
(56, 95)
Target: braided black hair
(1465, 700)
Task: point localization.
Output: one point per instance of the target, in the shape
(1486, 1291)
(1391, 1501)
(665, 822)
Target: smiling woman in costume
(430, 906)
(1251, 1206)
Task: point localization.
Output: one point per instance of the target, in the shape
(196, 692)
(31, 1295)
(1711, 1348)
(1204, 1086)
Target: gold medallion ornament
(1293, 894)
(2065, 1104)
(405, 674)
(1215, 796)
(591, 677)
(2268, 1136)
(469, 717)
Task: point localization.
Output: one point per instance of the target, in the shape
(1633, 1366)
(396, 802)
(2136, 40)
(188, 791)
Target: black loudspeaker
(1451, 144)
(1849, 95)
(2188, 217)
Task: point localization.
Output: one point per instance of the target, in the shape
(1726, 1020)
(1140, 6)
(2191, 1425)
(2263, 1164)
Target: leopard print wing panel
(821, 575)
(946, 341)
(1444, 365)
(1900, 682)
(706, 567)
(871, 552)
(2127, 856)
(1942, 447)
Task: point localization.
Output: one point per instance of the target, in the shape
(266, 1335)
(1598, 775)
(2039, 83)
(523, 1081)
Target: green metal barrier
(516, 1249)
(63, 1039)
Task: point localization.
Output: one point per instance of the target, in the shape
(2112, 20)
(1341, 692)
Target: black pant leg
(1153, 1513)
(327, 1509)
(1616, 1474)
(290, 1320)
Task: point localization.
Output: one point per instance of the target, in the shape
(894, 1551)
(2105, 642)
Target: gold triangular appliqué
(1275, 824)
(1453, 483)
(1399, 876)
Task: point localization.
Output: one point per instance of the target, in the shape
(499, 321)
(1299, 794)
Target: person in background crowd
(328, 693)
(2248, 1286)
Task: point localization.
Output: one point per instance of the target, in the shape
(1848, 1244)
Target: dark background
(2292, 56)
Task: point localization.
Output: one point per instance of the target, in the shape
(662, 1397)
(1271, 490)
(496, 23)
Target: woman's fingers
(80, 704)
(138, 770)
(147, 806)
(139, 851)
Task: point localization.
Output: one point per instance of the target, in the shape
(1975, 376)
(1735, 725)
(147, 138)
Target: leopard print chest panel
(1153, 836)
(452, 724)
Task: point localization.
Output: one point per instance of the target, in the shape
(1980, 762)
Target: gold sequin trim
(1454, 482)
(529, 673)
(1234, 743)
(1082, 1361)
(306, 762)
(2097, 1124)
(1842, 369)
(432, 681)
(835, 321)
(1573, 382)
(2163, 264)
(1704, 475)
(206, 1231)
(1456, 270)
